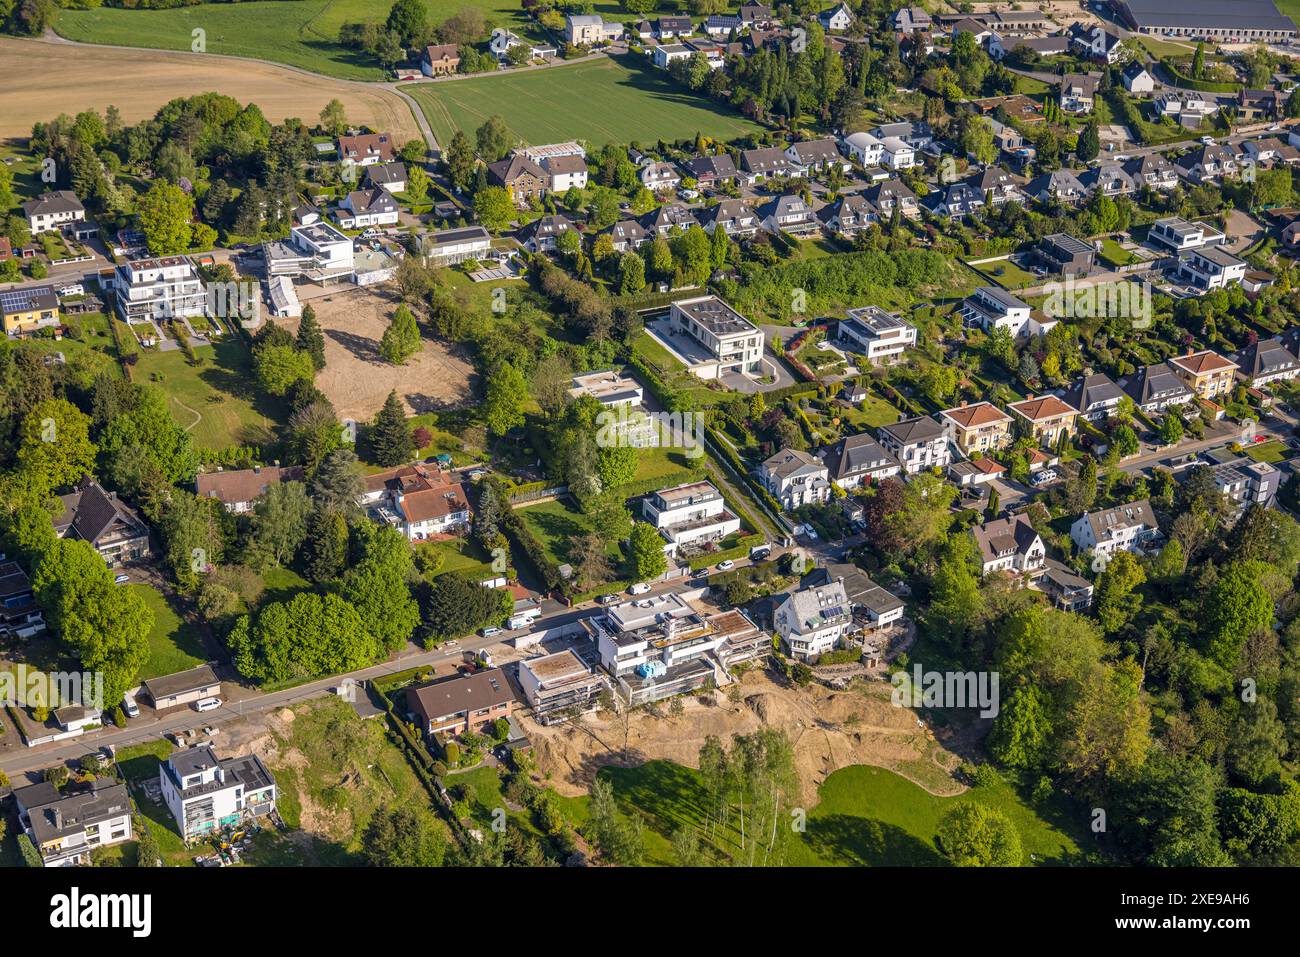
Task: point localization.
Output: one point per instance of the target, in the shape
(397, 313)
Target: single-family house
(1108, 531)
(977, 427)
(795, 478)
(919, 444)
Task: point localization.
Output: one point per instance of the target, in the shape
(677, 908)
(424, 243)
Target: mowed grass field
(217, 401)
(174, 643)
(602, 101)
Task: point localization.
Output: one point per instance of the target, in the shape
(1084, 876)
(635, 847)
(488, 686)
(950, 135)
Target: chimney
(1189, 350)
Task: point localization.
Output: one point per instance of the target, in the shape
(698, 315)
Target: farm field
(217, 402)
(46, 81)
(601, 101)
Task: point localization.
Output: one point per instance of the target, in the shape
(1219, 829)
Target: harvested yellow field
(44, 78)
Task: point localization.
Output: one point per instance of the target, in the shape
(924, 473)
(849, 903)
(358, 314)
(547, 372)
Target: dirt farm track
(44, 79)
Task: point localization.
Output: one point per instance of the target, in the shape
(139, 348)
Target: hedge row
(128, 347)
(1204, 86)
(765, 499)
(739, 550)
(523, 542)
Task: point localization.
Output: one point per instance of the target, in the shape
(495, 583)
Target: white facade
(734, 343)
(1111, 530)
(159, 289)
(865, 149)
(796, 478)
(897, 154)
(688, 515)
(812, 622)
(881, 336)
(919, 444)
(205, 794)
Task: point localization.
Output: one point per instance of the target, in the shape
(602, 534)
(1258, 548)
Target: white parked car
(129, 707)
(724, 566)
(1043, 477)
(640, 588)
(1207, 140)
(207, 704)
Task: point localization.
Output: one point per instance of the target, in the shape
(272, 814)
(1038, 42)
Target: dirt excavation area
(45, 78)
(830, 729)
(357, 380)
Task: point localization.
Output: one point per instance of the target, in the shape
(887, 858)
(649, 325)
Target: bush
(28, 851)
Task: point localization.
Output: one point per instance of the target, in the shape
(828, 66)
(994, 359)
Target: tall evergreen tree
(311, 339)
(390, 435)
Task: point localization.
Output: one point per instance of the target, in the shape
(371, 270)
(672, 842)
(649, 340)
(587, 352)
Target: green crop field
(301, 33)
(602, 101)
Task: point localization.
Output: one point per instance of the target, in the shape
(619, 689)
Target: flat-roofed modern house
(1181, 235)
(795, 478)
(1096, 396)
(732, 343)
(28, 309)
(856, 460)
(239, 489)
(1157, 387)
(53, 210)
(112, 527)
(205, 793)
(991, 307)
(1247, 482)
(1241, 21)
(1062, 253)
(978, 427)
(1206, 373)
(67, 826)
(657, 647)
(1047, 419)
(184, 687)
(813, 620)
(315, 251)
(455, 705)
(609, 387)
(447, 247)
(560, 685)
(881, 336)
(689, 516)
(1268, 360)
(918, 444)
(1211, 267)
(1124, 527)
(161, 288)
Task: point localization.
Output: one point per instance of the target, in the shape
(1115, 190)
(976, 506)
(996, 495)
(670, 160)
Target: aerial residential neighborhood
(651, 434)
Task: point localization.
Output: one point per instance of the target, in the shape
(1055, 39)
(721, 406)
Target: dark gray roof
(55, 814)
(856, 455)
(915, 431)
(1096, 389)
(1206, 14)
(193, 680)
(91, 512)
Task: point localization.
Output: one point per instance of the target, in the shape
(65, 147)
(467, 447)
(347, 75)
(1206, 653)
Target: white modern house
(689, 516)
(1180, 235)
(882, 337)
(447, 247)
(54, 210)
(992, 308)
(726, 340)
(316, 251)
(813, 621)
(162, 288)
(559, 685)
(1211, 267)
(205, 794)
(795, 478)
(1121, 528)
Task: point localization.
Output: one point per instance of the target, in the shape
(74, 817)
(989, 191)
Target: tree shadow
(362, 347)
(863, 842)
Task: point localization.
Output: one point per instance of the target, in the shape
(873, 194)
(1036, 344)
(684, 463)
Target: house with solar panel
(26, 310)
(205, 793)
(813, 620)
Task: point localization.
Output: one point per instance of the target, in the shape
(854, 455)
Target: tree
(338, 481)
(494, 208)
(503, 409)
(617, 465)
(977, 140)
(459, 160)
(975, 835)
(377, 586)
(279, 523)
(456, 606)
(310, 338)
(327, 544)
(646, 548)
(618, 840)
(631, 271)
(1088, 144)
(1022, 729)
(417, 184)
(54, 447)
(1198, 62)
(280, 368)
(333, 117)
(401, 339)
(306, 636)
(493, 139)
(409, 20)
(1171, 428)
(390, 434)
(165, 215)
(1237, 607)
(1116, 601)
(402, 836)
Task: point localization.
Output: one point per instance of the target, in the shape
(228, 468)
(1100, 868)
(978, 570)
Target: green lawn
(873, 412)
(1270, 452)
(218, 401)
(460, 555)
(1008, 275)
(865, 816)
(602, 101)
(140, 763)
(1113, 254)
(174, 644)
(282, 584)
(91, 342)
(558, 523)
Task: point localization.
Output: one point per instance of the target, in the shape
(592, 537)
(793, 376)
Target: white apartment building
(447, 247)
(731, 342)
(1111, 530)
(992, 308)
(689, 515)
(205, 794)
(813, 621)
(879, 335)
(918, 444)
(315, 251)
(159, 289)
(558, 685)
(1211, 267)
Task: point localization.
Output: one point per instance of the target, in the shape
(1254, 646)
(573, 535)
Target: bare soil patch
(44, 79)
(358, 381)
(830, 730)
